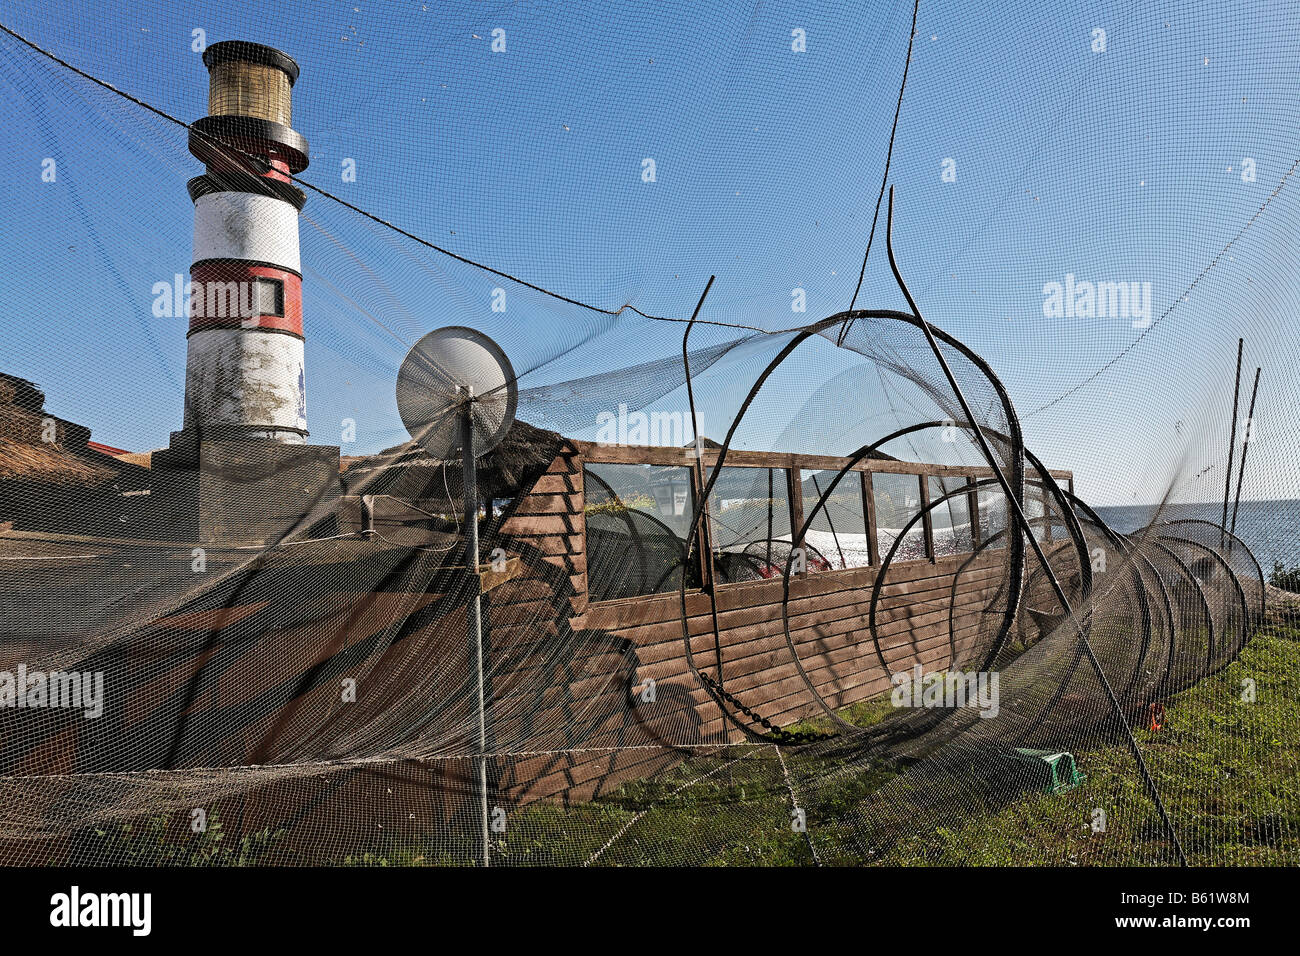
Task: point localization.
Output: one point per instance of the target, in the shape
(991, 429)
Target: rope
(163, 114)
(794, 802)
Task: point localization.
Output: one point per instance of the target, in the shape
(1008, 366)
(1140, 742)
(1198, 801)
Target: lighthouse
(244, 374)
(240, 467)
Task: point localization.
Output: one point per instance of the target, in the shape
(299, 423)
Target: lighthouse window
(268, 296)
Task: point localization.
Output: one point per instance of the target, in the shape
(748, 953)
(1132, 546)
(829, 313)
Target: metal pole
(829, 521)
(1245, 445)
(474, 612)
(1232, 447)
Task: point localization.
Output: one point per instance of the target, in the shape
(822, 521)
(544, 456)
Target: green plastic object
(1055, 768)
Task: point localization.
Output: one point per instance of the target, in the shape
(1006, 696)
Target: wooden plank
(548, 544)
(667, 660)
(748, 674)
(838, 672)
(869, 504)
(557, 483)
(783, 698)
(539, 504)
(893, 634)
(839, 632)
(786, 691)
(628, 618)
(973, 506)
(845, 604)
(609, 615)
(592, 452)
(753, 671)
(794, 492)
(489, 578)
(927, 518)
(542, 525)
(788, 700)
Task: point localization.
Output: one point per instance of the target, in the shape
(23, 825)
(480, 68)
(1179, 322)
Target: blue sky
(1118, 165)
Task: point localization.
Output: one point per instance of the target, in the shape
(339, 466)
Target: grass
(154, 843)
(1227, 766)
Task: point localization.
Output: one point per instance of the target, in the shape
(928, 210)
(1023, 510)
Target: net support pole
(1232, 447)
(1025, 528)
(1241, 468)
(703, 521)
(474, 611)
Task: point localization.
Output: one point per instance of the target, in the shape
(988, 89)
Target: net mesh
(938, 556)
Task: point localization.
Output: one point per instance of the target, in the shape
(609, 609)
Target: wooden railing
(795, 464)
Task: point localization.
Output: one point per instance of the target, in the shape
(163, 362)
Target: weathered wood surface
(586, 700)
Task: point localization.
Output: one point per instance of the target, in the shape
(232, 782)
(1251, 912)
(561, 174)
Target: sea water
(1271, 529)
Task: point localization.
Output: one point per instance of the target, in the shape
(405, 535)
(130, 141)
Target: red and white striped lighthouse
(241, 469)
(244, 375)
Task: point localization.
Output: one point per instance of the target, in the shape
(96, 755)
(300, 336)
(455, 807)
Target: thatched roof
(21, 394)
(27, 453)
(524, 453)
(51, 465)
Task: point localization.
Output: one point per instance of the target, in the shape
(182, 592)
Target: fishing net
(936, 554)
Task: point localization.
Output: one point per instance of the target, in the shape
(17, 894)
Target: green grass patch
(1227, 767)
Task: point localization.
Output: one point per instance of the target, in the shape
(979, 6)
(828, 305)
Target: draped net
(721, 555)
